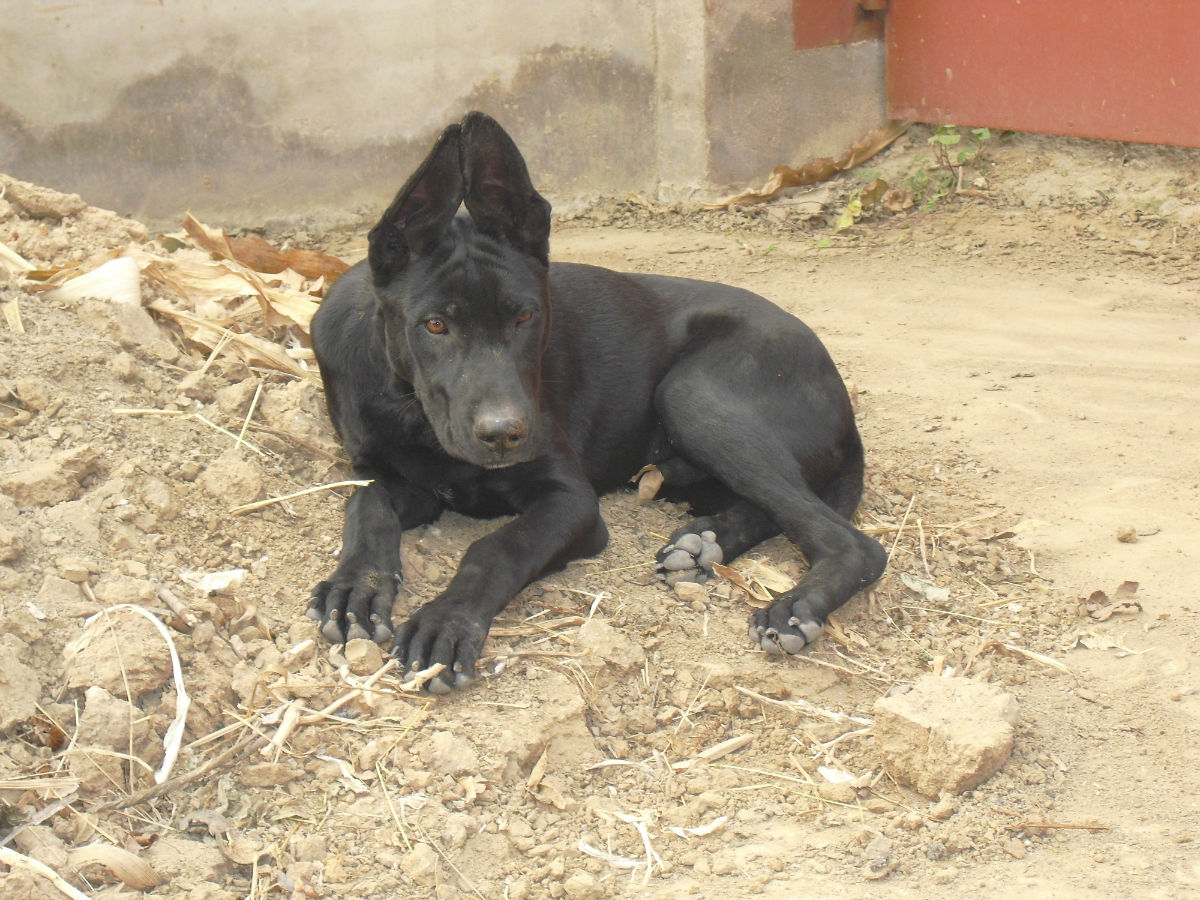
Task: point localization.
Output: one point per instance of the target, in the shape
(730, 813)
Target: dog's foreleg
(356, 601)
(451, 629)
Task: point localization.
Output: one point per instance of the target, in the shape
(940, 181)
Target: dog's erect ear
(421, 212)
(499, 194)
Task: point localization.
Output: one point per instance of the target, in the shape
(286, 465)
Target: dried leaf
(1018, 529)
(756, 595)
(538, 773)
(931, 592)
(1120, 608)
(241, 850)
(898, 200)
(820, 169)
(649, 482)
(130, 868)
(872, 193)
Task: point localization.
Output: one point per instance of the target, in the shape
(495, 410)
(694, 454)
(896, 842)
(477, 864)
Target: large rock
(20, 690)
(946, 734)
(49, 481)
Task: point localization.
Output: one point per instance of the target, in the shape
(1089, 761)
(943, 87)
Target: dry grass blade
(12, 315)
(270, 501)
(14, 261)
(173, 739)
(16, 860)
(716, 751)
(803, 706)
(39, 783)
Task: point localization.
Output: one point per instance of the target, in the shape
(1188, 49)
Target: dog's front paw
(786, 627)
(445, 632)
(689, 557)
(355, 606)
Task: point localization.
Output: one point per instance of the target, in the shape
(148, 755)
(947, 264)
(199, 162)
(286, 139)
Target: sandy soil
(1027, 375)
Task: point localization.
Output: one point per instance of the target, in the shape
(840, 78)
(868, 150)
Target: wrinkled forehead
(482, 274)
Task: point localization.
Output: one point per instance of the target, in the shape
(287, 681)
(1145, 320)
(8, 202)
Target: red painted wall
(1120, 69)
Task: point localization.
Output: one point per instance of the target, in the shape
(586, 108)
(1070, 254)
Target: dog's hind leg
(772, 466)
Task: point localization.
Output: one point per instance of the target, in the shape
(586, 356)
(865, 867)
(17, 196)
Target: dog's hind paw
(689, 557)
(783, 629)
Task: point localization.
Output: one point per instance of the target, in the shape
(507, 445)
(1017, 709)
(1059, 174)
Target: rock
(608, 646)
(234, 399)
(838, 792)
(33, 393)
(49, 481)
(554, 723)
(450, 753)
(233, 479)
(40, 842)
(20, 691)
(11, 544)
(179, 858)
(56, 594)
(420, 864)
(106, 724)
(946, 734)
(581, 886)
(363, 656)
(116, 588)
(128, 651)
(690, 592)
(1127, 534)
(310, 848)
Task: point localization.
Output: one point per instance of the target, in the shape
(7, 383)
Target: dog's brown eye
(435, 326)
(524, 316)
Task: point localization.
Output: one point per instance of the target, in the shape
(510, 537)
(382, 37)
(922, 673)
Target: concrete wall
(242, 110)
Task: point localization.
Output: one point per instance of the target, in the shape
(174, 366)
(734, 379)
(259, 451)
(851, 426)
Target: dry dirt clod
(946, 734)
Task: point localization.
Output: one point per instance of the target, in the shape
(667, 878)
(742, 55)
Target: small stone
(944, 809)
(20, 691)
(233, 479)
(420, 864)
(124, 367)
(50, 481)
(608, 646)
(838, 792)
(73, 569)
(690, 592)
(1014, 848)
(581, 886)
(451, 753)
(1127, 534)
(363, 656)
(11, 544)
(309, 848)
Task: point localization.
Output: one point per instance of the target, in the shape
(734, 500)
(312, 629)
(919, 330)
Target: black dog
(463, 371)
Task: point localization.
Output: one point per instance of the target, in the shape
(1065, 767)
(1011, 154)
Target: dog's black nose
(501, 431)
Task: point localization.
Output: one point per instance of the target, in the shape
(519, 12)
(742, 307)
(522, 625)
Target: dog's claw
(332, 630)
(779, 636)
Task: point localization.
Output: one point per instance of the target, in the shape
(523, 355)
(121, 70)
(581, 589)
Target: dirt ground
(1026, 367)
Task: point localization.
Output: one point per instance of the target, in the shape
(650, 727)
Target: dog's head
(464, 299)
